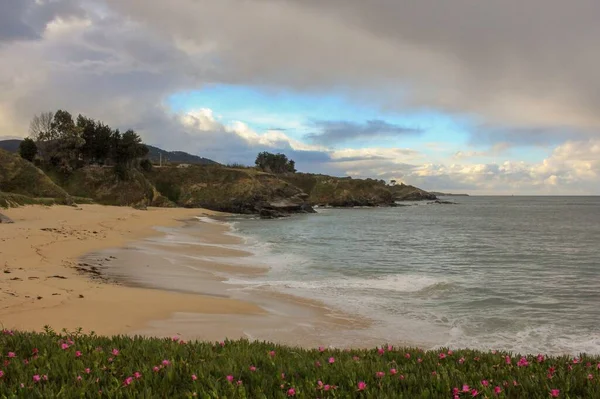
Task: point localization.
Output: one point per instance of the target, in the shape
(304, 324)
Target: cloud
(335, 132)
(524, 72)
(502, 60)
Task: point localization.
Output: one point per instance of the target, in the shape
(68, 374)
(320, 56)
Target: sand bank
(39, 283)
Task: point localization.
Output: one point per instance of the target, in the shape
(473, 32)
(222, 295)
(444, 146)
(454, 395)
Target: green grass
(76, 365)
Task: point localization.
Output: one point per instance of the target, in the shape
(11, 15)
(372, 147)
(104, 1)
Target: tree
(40, 126)
(68, 139)
(274, 163)
(28, 149)
(392, 182)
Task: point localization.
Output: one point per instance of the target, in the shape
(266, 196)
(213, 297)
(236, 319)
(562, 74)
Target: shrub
(76, 365)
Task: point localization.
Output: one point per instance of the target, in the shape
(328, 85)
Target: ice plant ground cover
(46, 365)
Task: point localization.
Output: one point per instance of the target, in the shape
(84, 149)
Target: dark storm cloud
(336, 132)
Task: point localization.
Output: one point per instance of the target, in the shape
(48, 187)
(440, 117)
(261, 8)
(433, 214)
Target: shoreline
(40, 286)
(103, 269)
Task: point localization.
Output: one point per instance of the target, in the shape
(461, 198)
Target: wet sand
(40, 283)
(116, 270)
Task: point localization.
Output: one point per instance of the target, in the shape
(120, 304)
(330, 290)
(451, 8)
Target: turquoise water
(514, 273)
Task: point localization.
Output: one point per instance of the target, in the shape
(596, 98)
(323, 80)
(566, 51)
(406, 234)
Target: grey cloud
(528, 63)
(26, 19)
(527, 136)
(336, 132)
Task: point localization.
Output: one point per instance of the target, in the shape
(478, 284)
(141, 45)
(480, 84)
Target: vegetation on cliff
(341, 191)
(20, 177)
(75, 365)
(404, 192)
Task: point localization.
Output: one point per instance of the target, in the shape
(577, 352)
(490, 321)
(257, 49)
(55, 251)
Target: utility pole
(160, 162)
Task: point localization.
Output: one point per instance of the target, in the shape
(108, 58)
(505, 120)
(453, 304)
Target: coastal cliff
(211, 186)
(332, 191)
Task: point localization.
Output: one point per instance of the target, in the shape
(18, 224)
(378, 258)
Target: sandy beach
(113, 270)
(40, 286)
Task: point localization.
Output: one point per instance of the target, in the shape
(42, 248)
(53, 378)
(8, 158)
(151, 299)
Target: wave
(395, 282)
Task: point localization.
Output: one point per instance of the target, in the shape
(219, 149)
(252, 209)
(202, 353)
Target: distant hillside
(448, 194)
(177, 157)
(153, 154)
(10, 145)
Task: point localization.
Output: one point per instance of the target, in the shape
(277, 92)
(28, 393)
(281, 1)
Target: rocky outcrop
(404, 192)
(343, 192)
(5, 219)
(215, 187)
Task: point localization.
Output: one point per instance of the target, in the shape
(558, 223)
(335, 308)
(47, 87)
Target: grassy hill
(341, 191)
(24, 182)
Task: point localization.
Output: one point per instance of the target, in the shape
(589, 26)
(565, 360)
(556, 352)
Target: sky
(466, 96)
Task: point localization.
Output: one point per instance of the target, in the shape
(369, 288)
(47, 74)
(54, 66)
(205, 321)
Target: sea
(512, 273)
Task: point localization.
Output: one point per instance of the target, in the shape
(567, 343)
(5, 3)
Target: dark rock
(5, 219)
(442, 202)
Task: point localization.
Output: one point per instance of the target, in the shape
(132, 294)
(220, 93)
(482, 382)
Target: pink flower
(474, 392)
(239, 382)
(554, 393)
(407, 356)
(461, 360)
(78, 354)
(540, 358)
(401, 376)
(507, 359)
(283, 376)
(64, 346)
(36, 378)
(222, 344)
(128, 381)
(194, 377)
(291, 392)
(356, 359)
(175, 338)
(390, 348)
(45, 377)
(317, 364)
(465, 388)
(35, 351)
(331, 360)
(455, 391)
(320, 384)
(522, 362)
(137, 375)
(87, 371)
(515, 383)
(115, 352)
(110, 359)
(590, 377)
(25, 361)
(79, 378)
(575, 361)
(166, 363)
(327, 387)
(393, 371)
(380, 374)
(381, 351)
(155, 369)
(450, 353)
(1, 373)
(272, 353)
(11, 354)
(442, 356)
(419, 360)
(497, 390)
(252, 368)
(485, 383)
(434, 373)
(362, 386)
(321, 349)
(230, 378)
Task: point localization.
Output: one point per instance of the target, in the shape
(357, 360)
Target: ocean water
(510, 273)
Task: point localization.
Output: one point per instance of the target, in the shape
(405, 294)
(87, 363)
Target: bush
(75, 365)
(146, 165)
(28, 149)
